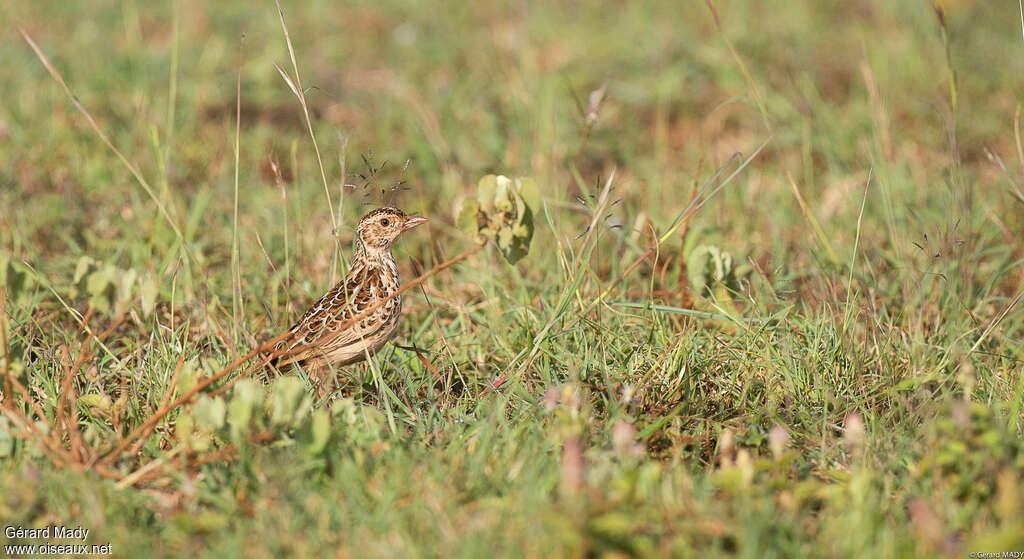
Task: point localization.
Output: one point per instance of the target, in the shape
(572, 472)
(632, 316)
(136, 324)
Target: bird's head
(379, 229)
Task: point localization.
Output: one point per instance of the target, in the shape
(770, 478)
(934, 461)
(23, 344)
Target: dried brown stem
(64, 412)
(3, 340)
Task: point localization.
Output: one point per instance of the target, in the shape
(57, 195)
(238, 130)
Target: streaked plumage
(324, 336)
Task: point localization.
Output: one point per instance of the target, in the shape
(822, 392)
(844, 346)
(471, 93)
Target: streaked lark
(334, 332)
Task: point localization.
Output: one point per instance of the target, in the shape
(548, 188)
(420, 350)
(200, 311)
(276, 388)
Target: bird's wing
(326, 325)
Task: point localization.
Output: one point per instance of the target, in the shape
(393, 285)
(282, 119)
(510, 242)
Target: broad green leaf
(98, 404)
(321, 431)
(505, 239)
(502, 213)
(209, 413)
(149, 292)
(485, 190)
(530, 191)
(709, 266)
(100, 285)
(363, 423)
(285, 399)
(246, 397)
(83, 266)
(92, 435)
(125, 286)
(183, 428)
(467, 218)
(303, 409)
(188, 378)
(522, 234)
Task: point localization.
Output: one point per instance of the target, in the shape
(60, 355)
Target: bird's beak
(412, 221)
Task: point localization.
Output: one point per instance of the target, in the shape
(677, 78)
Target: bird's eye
(385, 222)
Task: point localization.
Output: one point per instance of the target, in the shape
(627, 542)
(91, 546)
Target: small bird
(327, 335)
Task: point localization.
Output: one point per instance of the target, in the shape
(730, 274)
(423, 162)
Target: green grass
(854, 388)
